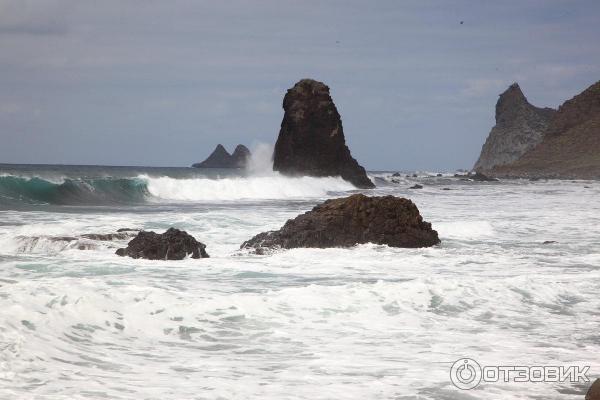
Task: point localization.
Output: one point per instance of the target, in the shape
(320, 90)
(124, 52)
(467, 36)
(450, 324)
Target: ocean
(515, 281)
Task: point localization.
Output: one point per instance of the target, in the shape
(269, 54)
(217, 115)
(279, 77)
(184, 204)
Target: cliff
(519, 127)
(570, 148)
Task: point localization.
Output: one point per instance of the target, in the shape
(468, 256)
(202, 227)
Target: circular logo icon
(465, 373)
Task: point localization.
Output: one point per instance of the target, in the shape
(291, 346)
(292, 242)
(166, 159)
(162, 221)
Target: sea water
(367, 322)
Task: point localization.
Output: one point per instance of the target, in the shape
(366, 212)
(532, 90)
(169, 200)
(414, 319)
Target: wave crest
(244, 188)
(15, 190)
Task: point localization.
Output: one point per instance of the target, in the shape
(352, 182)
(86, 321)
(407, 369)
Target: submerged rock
(311, 140)
(171, 245)
(106, 237)
(348, 221)
(220, 158)
(416, 186)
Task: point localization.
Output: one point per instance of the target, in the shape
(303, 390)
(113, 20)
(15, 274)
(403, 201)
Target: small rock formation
(220, 158)
(416, 186)
(479, 177)
(171, 245)
(571, 145)
(241, 156)
(107, 237)
(311, 140)
(594, 391)
(347, 221)
(519, 127)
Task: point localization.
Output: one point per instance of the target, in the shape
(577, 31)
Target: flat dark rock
(171, 245)
(416, 186)
(479, 177)
(311, 139)
(348, 221)
(109, 236)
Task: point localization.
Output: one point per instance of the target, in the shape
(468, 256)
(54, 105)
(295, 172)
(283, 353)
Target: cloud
(33, 17)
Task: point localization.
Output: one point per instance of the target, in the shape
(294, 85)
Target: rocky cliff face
(571, 145)
(311, 140)
(519, 127)
(220, 158)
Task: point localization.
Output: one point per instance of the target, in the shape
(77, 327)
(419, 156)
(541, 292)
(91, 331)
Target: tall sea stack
(519, 127)
(311, 140)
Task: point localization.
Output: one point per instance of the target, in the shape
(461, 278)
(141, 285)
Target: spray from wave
(248, 188)
(260, 183)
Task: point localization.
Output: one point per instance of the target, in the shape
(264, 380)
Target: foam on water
(366, 322)
(273, 186)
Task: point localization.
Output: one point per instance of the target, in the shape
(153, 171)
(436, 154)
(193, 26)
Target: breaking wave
(143, 188)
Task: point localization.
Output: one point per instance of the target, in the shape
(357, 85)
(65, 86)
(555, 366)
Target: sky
(160, 83)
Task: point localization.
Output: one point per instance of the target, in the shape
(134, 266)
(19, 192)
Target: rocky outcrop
(347, 221)
(220, 158)
(171, 245)
(241, 156)
(519, 127)
(311, 140)
(594, 391)
(571, 145)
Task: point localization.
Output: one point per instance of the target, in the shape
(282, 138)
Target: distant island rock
(311, 140)
(220, 158)
(347, 221)
(570, 148)
(519, 127)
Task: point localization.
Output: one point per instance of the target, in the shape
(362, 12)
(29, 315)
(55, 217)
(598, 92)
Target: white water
(370, 322)
(272, 186)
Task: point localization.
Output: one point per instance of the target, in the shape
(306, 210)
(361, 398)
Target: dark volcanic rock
(128, 230)
(171, 245)
(519, 127)
(479, 177)
(311, 140)
(416, 186)
(594, 391)
(220, 158)
(109, 236)
(347, 221)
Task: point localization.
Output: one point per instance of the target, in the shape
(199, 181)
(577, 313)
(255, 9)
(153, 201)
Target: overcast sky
(132, 82)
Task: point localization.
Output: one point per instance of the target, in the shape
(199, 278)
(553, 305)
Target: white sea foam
(272, 186)
(465, 229)
(367, 322)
